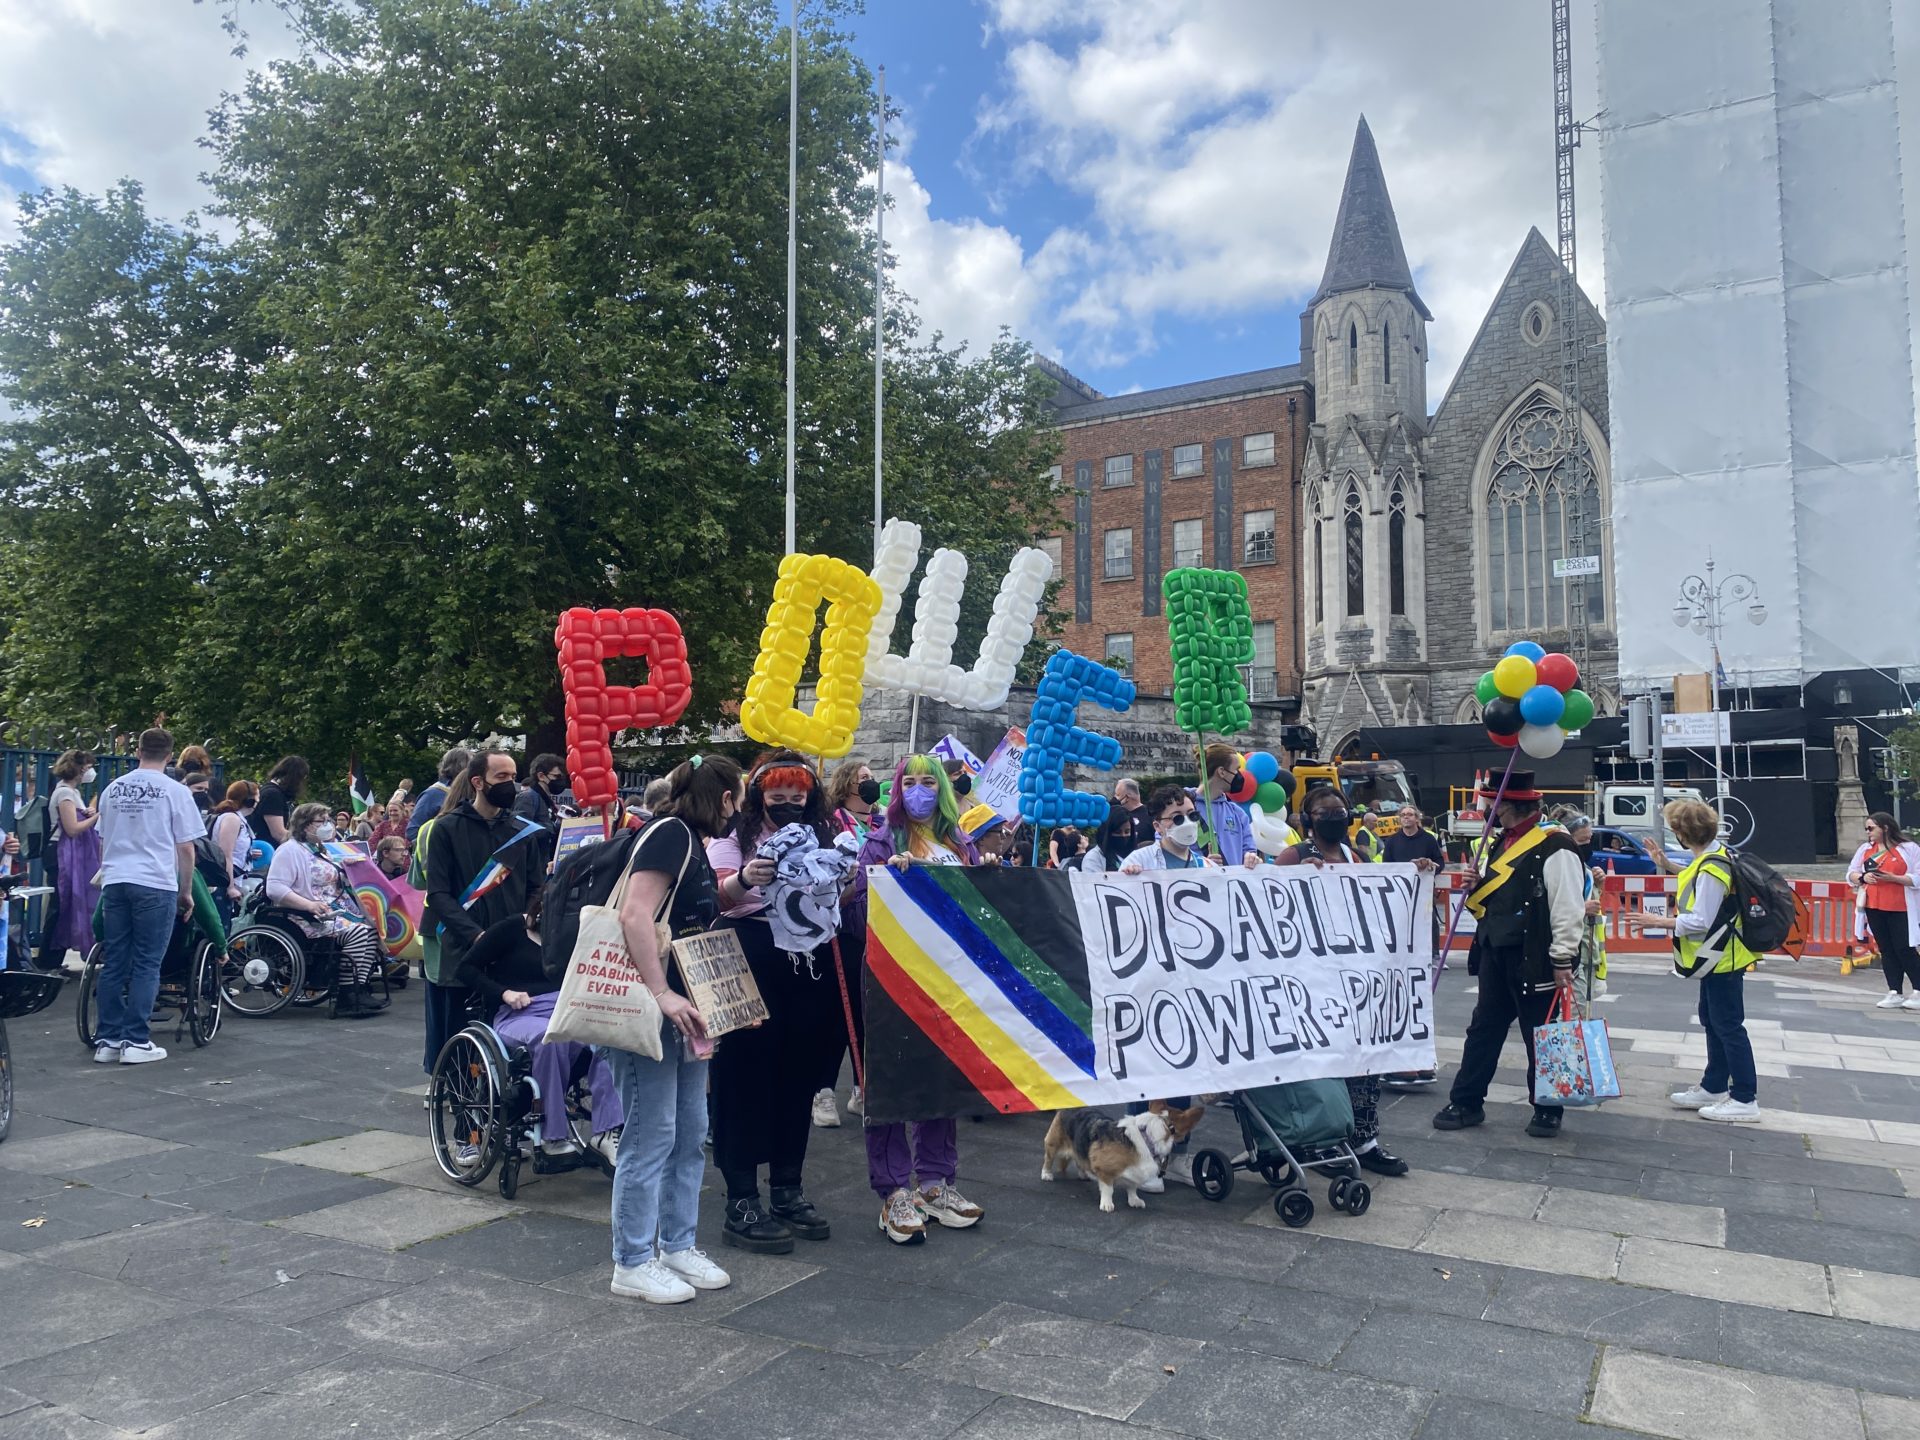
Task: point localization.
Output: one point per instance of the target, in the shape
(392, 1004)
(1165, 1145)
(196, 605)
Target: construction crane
(1566, 139)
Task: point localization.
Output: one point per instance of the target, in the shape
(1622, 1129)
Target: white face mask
(89, 775)
(324, 831)
(1184, 833)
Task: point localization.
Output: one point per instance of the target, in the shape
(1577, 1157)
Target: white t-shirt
(64, 791)
(143, 815)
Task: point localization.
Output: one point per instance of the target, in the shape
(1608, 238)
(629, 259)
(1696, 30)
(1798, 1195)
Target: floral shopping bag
(1572, 1060)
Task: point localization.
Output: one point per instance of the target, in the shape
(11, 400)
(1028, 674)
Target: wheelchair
(272, 963)
(189, 992)
(480, 1112)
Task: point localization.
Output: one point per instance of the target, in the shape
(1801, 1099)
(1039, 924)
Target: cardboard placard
(722, 988)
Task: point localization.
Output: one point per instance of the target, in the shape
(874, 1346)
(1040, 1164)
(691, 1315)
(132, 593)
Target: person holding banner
(922, 828)
(765, 1078)
(1176, 831)
(1530, 904)
(1325, 813)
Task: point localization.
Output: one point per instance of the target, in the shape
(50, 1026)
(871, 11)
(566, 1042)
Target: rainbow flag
(976, 994)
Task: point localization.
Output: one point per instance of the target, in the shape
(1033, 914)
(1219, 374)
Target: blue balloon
(1262, 766)
(1533, 652)
(1542, 705)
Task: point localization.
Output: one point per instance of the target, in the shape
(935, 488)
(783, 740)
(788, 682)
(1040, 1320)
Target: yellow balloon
(1514, 675)
(767, 711)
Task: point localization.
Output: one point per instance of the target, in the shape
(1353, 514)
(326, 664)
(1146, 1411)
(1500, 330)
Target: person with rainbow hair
(922, 828)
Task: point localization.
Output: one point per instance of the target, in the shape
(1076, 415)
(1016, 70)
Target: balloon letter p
(597, 711)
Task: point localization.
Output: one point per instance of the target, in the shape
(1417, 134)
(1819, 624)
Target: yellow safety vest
(1735, 956)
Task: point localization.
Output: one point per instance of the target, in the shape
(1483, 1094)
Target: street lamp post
(1704, 604)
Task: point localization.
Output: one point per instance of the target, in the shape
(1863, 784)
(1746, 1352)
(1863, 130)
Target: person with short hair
(392, 856)
(1886, 872)
(654, 796)
(1729, 1086)
(546, 778)
(453, 763)
(1229, 825)
(306, 880)
(1416, 845)
(148, 824)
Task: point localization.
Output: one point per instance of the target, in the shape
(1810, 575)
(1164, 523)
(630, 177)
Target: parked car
(1619, 852)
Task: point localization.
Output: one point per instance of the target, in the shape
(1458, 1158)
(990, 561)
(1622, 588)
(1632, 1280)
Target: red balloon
(1505, 742)
(1243, 788)
(1559, 671)
(596, 711)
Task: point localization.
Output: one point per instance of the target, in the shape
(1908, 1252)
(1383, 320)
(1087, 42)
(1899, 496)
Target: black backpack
(212, 865)
(32, 826)
(1763, 910)
(586, 877)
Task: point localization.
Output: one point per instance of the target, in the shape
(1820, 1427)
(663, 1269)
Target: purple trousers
(933, 1154)
(553, 1066)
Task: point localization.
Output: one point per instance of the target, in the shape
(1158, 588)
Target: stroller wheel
(1276, 1173)
(1359, 1197)
(1337, 1192)
(1212, 1175)
(1294, 1207)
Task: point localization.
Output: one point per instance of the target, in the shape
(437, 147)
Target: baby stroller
(1288, 1130)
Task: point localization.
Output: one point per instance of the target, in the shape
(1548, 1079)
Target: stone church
(1428, 539)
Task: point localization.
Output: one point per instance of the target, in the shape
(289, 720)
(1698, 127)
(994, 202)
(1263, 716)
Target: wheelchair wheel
(6, 1083)
(262, 971)
(202, 1002)
(466, 1104)
(509, 1176)
(86, 1014)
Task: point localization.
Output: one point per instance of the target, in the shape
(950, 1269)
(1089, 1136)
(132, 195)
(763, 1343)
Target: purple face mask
(920, 800)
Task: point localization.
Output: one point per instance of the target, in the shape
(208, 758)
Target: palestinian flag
(358, 789)
(976, 993)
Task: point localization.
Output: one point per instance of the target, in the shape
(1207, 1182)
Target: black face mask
(869, 792)
(500, 794)
(1586, 853)
(1330, 825)
(786, 814)
(963, 785)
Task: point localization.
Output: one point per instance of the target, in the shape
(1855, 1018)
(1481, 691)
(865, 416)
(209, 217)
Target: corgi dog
(1120, 1153)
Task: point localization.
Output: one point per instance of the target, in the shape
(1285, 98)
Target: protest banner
(1021, 990)
(576, 833)
(952, 747)
(998, 783)
(718, 981)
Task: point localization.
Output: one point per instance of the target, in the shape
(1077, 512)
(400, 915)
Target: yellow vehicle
(1380, 785)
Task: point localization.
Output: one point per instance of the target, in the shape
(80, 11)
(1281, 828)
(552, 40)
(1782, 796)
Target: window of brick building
(1052, 546)
(1187, 462)
(1120, 647)
(1258, 528)
(1264, 683)
(1119, 471)
(1257, 449)
(1186, 543)
(1053, 476)
(1118, 550)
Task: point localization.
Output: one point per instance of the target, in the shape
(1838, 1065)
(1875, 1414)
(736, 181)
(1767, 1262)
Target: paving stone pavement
(252, 1240)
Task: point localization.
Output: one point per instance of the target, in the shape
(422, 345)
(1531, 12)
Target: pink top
(723, 854)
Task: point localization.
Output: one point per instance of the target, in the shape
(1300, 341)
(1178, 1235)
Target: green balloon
(1578, 712)
(1485, 690)
(1271, 798)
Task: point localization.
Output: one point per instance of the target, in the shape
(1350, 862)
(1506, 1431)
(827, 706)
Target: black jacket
(460, 846)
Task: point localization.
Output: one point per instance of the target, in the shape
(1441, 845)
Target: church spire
(1366, 249)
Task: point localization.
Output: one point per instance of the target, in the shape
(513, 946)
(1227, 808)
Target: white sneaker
(857, 1102)
(1894, 1001)
(1179, 1169)
(652, 1282)
(607, 1146)
(559, 1149)
(107, 1052)
(1155, 1186)
(1913, 1002)
(140, 1054)
(900, 1219)
(826, 1114)
(1695, 1098)
(1733, 1112)
(697, 1270)
(945, 1205)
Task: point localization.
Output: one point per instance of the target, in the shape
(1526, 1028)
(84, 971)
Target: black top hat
(1519, 786)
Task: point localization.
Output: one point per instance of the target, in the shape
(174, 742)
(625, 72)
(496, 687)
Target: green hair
(945, 820)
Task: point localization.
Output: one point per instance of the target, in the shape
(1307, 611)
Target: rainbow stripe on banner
(955, 956)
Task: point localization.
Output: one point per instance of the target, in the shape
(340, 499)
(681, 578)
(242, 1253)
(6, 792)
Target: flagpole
(879, 302)
(793, 232)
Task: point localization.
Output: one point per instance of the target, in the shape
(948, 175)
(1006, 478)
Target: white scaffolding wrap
(1761, 381)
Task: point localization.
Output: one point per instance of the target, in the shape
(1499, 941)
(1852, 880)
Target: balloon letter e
(1054, 741)
(597, 711)
(767, 711)
(1210, 632)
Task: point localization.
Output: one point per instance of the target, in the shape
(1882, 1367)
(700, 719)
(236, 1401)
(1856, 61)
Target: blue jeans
(137, 924)
(1723, 1014)
(657, 1169)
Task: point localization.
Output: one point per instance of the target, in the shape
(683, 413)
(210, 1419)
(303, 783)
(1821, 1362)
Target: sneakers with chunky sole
(826, 1114)
(1893, 1001)
(946, 1206)
(697, 1270)
(1733, 1112)
(652, 1282)
(1459, 1117)
(1695, 1098)
(900, 1219)
(141, 1054)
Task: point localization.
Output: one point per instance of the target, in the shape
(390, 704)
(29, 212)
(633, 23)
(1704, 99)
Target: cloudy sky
(1143, 188)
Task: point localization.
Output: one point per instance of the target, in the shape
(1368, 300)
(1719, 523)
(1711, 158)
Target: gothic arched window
(1319, 572)
(1386, 352)
(1540, 508)
(1353, 352)
(1397, 551)
(1356, 554)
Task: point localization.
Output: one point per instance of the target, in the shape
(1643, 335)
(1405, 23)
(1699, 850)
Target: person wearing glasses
(1886, 871)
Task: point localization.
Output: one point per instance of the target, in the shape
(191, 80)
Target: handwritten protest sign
(718, 981)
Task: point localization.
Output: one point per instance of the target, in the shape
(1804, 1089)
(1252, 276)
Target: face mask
(921, 801)
(786, 813)
(1184, 832)
(500, 794)
(869, 792)
(246, 810)
(1330, 825)
(324, 831)
(963, 785)
(89, 775)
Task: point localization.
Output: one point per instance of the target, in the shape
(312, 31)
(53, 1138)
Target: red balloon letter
(597, 711)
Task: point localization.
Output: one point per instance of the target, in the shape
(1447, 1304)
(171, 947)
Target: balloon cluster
(1272, 783)
(767, 711)
(1530, 700)
(927, 668)
(1055, 741)
(1210, 632)
(597, 711)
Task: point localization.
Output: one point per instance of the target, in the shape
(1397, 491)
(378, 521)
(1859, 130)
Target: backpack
(212, 865)
(586, 877)
(1763, 909)
(32, 827)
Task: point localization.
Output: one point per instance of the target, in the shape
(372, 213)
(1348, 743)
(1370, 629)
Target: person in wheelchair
(503, 970)
(303, 880)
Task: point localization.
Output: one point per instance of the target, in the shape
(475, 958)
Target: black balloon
(1284, 779)
(1503, 717)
